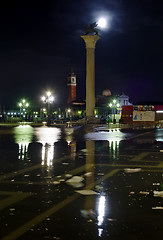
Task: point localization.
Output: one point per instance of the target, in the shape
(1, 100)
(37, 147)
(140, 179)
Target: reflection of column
(90, 158)
(90, 41)
(73, 150)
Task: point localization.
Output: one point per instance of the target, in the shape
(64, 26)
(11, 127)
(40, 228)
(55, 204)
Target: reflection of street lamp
(69, 113)
(23, 105)
(49, 99)
(114, 107)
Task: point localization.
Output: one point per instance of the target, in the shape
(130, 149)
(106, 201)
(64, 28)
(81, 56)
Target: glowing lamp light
(48, 94)
(51, 99)
(43, 98)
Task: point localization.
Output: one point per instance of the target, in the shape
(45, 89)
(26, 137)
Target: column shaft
(90, 41)
(90, 82)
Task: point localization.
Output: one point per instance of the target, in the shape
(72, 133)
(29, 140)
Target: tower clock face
(73, 80)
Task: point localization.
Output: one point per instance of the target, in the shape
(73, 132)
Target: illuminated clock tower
(71, 87)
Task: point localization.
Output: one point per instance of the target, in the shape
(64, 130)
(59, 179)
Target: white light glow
(48, 94)
(101, 210)
(51, 99)
(47, 136)
(43, 98)
(159, 111)
(102, 23)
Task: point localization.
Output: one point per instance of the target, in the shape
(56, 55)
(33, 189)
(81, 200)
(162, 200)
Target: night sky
(40, 39)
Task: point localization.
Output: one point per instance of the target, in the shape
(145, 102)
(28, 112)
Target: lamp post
(23, 105)
(69, 113)
(114, 106)
(48, 99)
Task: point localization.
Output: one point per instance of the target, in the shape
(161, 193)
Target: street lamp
(23, 105)
(48, 99)
(114, 106)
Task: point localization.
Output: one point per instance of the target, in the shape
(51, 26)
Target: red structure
(142, 114)
(71, 87)
(127, 114)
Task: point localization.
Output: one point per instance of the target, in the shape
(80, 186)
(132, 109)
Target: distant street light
(69, 113)
(114, 107)
(23, 105)
(48, 99)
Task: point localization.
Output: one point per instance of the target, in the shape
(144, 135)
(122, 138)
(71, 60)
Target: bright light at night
(103, 18)
(102, 23)
(43, 98)
(48, 94)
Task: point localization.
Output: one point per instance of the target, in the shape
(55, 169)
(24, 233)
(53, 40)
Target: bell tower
(71, 86)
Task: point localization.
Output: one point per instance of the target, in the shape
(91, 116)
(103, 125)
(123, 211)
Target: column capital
(90, 40)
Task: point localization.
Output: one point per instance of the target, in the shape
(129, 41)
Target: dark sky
(40, 39)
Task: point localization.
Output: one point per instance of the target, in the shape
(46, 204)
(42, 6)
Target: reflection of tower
(71, 86)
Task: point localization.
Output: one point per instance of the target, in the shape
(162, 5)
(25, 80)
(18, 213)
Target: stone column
(90, 41)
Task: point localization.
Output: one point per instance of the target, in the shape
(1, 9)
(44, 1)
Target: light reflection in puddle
(48, 136)
(23, 135)
(103, 135)
(72, 144)
(159, 135)
(101, 213)
(114, 147)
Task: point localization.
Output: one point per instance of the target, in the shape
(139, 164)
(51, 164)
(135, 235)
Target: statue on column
(91, 28)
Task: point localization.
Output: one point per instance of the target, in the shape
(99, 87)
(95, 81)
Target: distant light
(48, 94)
(159, 111)
(23, 100)
(114, 101)
(43, 98)
(102, 23)
(51, 99)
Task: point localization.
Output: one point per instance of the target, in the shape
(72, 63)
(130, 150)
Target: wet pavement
(100, 184)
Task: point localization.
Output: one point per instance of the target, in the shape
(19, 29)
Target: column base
(92, 120)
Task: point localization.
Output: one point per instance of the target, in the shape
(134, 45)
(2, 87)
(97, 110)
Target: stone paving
(83, 188)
